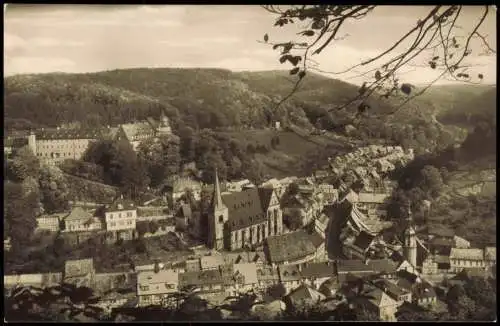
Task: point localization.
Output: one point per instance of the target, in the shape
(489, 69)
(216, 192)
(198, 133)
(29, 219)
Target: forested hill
(211, 98)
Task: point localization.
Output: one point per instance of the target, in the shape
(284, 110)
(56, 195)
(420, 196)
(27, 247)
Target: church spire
(217, 195)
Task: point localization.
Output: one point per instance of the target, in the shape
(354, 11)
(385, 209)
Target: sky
(89, 38)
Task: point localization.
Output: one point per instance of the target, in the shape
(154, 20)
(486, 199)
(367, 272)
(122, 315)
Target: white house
(121, 215)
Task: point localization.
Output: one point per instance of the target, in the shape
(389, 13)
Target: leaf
(432, 64)
(294, 71)
(378, 75)
(302, 74)
(283, 58)
(308, 33)
(406, 88)
(480, 76)
(435, 58)
(294, 59)
(266, 38)
(286, 48)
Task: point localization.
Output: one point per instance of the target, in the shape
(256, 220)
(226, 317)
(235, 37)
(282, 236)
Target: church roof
(245, 208)
(265, 197)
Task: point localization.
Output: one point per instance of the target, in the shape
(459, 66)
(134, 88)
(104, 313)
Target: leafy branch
(436, 32)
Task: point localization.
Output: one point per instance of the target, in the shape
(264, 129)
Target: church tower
(410, 247)
(164, 127)
(217, 219)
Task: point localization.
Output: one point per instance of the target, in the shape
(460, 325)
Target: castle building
(135, 133)
(410, 247)
(54, 146)
(243, 219)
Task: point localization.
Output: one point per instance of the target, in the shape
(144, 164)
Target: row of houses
(217, 277)
(53, 146)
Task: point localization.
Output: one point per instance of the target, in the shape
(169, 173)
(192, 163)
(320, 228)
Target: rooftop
(149, 282)
(469, 254)
(245, 208)
(305, 293)
(120, 205)
(290, 246)
(79, 213)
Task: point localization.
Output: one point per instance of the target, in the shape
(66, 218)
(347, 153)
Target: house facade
(120, 216)
(155, 288)
(80, 220)
(55, 146)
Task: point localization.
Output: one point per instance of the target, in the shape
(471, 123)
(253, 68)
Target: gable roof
(121, 205)
(132, 130)
(290, 246)
(79, 213)
(245, 208)
(268, 273)
(364, 240)
(390, 288)
(319, 270)
(490, 253)
(305, 293)
(53, 134)
(157, 282)
(317, 239)
(289, 273)
(240, 257)
(208, 277)
(370, 266)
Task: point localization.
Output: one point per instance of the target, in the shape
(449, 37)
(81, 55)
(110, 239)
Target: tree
(436, 36)
(276, 291)
(24, 164)
(431, 180)
(121, 166)
(19, 213)
(54, 190)
(293, 221)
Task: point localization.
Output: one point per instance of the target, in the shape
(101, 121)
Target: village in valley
(298, 240)
(249, 163)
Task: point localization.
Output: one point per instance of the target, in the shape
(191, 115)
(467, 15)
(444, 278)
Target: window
(129, 214)
(119, 215)
(111, 216)
(221, 218)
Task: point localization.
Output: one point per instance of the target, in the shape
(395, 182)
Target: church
(243, 219)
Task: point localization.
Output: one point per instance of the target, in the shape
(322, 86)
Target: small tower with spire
(410, 248)
(164, 126)
(218, 218)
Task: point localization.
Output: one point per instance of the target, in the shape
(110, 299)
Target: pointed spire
(217, 195)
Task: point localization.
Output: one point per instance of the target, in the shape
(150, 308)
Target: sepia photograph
(249, 163)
